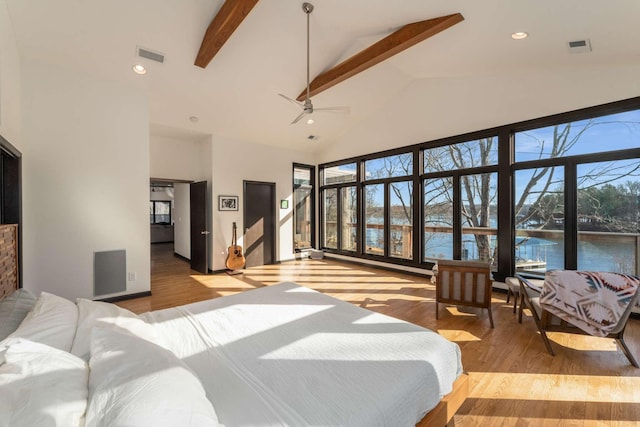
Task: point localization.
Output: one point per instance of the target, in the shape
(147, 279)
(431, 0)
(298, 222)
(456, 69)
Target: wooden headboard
(8, 259)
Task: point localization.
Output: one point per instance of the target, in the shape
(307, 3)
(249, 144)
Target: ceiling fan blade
(345, 110)
(297, 119)
(299, 104)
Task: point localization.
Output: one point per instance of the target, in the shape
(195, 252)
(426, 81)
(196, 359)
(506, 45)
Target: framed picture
(227, 203)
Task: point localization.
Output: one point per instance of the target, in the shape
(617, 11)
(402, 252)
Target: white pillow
(41, 385)
(13, 310)
(96, 313)
(52, 322)
(134, 382)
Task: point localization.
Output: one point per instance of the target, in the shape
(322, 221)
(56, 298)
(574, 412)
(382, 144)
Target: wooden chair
(547, 322)
(464, 283)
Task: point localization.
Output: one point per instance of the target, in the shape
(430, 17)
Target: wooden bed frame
(440, 416)
(8, 259)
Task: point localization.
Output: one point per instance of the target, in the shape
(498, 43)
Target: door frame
(274, 212)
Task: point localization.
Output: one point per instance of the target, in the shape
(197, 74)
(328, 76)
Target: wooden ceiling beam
(226, 21)
(404, 38)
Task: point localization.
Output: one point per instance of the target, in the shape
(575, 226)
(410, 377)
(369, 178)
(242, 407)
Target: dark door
(199, 233)
(259, 223)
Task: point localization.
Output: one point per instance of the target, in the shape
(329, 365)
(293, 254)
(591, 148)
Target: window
(339, 174)
(303, 207)
(330, 211)
(160, 212)
(593, 135)
(539, 219)
(479, 216)
(438, 218)
(374, 219)
(349, 218)
(470, 154)
(389, 167)
(608, 215)
(401, 219)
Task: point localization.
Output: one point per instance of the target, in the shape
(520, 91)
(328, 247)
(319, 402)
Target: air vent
(579, 46)
(149, 54)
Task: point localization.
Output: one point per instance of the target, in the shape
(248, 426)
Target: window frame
(312, 198)
(154, 222)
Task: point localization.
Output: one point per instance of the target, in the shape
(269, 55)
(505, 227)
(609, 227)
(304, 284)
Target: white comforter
(287, 355)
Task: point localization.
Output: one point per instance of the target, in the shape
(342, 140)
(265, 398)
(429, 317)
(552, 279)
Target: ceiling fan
(307, 106)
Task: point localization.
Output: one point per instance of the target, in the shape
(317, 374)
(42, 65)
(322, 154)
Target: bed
(273, 356)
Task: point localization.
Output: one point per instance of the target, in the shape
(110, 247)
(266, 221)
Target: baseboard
(184, 258)
(126, 297)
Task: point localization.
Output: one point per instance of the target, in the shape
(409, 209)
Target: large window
(160, 212)
(560, 192)
(303, 207)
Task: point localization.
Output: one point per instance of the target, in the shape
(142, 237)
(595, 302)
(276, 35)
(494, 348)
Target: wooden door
(259, 223)
(199, 232)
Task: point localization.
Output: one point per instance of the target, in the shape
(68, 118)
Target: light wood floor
(514, 382)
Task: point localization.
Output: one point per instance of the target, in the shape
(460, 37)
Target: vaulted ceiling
(235, 95)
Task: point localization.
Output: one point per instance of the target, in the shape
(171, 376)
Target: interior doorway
(188, 211)
(259, 223)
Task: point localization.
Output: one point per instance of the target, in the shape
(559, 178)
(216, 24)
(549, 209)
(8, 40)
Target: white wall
(88, 140)
(465, 104)
(179, 159)
(181, 223)
(236, 161)
(10, 81)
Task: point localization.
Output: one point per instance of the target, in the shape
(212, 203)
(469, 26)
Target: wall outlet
(131, 277)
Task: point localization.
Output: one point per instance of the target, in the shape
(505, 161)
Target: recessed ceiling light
(310, 121)
(194, 119)
(519, 35)
(139, 69)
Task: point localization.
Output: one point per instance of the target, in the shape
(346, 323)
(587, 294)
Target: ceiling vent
(143, 52)
(580, 46)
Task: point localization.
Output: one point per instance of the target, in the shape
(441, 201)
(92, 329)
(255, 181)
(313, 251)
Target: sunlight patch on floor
(556, 387)
(457, 335)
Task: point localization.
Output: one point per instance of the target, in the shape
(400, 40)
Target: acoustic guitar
(235, 259)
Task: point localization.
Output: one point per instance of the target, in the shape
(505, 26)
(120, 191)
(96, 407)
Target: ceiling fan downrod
(307, 8)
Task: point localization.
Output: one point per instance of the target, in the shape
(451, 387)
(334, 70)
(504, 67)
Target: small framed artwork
(227, 203)
(284, 204)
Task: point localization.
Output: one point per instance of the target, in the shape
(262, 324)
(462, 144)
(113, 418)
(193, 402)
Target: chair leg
(508, 295)
(515, 302)
(490, 316)
(547, 343)
(521, 308)
(436, 310)
(626, 351)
